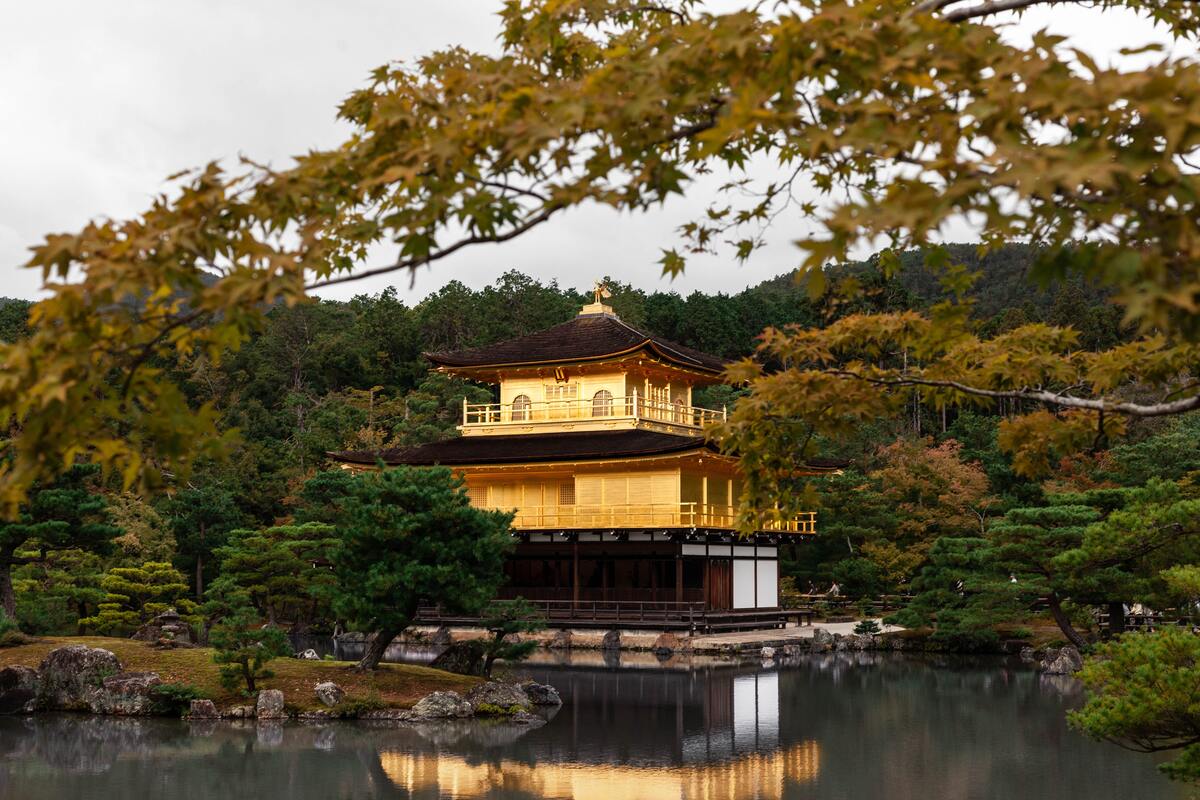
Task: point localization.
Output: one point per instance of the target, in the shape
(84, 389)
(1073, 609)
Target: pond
(839, 726)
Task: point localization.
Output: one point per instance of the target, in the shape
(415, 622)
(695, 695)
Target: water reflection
(829, 728)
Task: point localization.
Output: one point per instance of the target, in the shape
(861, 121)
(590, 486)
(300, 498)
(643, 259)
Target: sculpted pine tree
(899, 116)
(407, 536)
(65, 515)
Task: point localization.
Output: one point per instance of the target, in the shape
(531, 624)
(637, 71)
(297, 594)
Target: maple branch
(1041, 395)
(991, 7)
(413, 263)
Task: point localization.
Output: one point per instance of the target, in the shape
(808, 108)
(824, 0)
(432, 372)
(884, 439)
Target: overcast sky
(99, 102)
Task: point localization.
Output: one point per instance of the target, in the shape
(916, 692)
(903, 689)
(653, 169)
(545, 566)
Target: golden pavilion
(624, 513)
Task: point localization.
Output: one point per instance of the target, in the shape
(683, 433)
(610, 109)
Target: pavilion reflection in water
(736, 754)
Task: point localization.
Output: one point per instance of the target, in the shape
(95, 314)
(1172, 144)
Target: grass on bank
(391, 686)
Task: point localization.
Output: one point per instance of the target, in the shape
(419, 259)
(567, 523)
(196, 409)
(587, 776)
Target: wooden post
(575, 572)
(464, 409)
(679, 575)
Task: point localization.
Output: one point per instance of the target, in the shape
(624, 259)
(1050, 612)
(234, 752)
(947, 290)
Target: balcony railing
(595, 408)
(648, 515)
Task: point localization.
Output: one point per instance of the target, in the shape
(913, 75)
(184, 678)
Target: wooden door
(718, 590)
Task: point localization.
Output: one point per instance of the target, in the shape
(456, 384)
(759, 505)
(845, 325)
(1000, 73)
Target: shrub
(10, 633)
(242, 649)
(868, 627)
(174, 699)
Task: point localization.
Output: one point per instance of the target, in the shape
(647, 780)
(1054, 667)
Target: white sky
(99, 102)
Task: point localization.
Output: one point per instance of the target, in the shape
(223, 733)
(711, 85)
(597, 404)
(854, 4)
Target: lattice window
(566, 494)
(520, 407)
(602, 404)
(478, 495)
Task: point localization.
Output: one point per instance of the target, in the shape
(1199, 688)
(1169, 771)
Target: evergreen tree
(285, 571)
(241, 647)
(201, 518)
(407, 536)
(66, 515)
(134, 595)
(506, 620)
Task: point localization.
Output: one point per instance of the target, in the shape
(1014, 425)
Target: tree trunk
(8, 600)
(200, 566)
(1116, 618)
(376, 648)
(1064, 623)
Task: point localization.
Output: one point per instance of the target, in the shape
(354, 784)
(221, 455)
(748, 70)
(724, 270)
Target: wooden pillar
(679, 575)
(575, 571)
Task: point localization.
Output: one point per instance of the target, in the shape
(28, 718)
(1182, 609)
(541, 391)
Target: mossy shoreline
(392, 686)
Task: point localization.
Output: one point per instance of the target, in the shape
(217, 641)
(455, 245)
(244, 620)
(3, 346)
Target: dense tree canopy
(902, 115)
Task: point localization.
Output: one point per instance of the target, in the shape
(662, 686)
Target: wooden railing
(648, 515)
(589, 408)
(694, 617)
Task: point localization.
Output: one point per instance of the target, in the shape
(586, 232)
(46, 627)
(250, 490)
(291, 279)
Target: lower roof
(529, 448)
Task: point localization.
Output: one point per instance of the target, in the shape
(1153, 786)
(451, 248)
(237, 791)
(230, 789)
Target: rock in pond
(560, 641)
(1066, 661)
(541, 694)
(442, 705)
(495, 698)
(126, 693)
(203, 709)
(611, 641)
(270, 705)
(767, 653)
(822, 641)
(666, 644)
(329, 693)
(18, 689)
(72, 675)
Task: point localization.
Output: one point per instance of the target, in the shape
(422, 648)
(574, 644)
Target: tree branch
(413, 263)
(1053, 398)
(992, 7)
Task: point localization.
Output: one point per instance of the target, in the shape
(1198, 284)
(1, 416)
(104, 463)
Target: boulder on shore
(668, 643)
(611, 641)
(464, 658)
(126, 693)
(270, 705)
(442, 705)
(541, 694)
(494, 697)
(329, 693)
(560, 641)
(822, 641)
(309, 655)
(71, 676)
(203, 709)
(18, 689)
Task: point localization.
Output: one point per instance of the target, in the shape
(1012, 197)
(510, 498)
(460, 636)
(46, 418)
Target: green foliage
(410, 535)
(1144, 693)
(135, 595)
(285, 571)
(322, 494)
(54, 593)
(174, 699)
(868, 627)
(66, 515)
(242, 648)
(201, 518)
(505, 619)
(10, 632)
(962, 594)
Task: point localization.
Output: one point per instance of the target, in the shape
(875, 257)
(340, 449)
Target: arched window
(602, 405)
(520, 408)
(677, 407)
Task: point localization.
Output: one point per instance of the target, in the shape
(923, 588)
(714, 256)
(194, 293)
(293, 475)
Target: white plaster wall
(768, 584)
(743, 584)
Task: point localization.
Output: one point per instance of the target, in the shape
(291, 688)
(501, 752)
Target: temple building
(624, 513)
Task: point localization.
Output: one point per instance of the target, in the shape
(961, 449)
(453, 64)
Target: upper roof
(528, 448)
(587, 337)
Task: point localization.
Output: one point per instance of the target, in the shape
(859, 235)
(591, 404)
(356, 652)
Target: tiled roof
(526, 448)
(587, 337)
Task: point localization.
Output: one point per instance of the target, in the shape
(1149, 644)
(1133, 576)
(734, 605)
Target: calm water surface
(831, 728)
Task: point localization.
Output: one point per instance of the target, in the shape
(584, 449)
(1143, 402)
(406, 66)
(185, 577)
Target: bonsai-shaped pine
(505, 618)
(868, 627)
(242, 648)
(409, 535)
(1144, 694)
